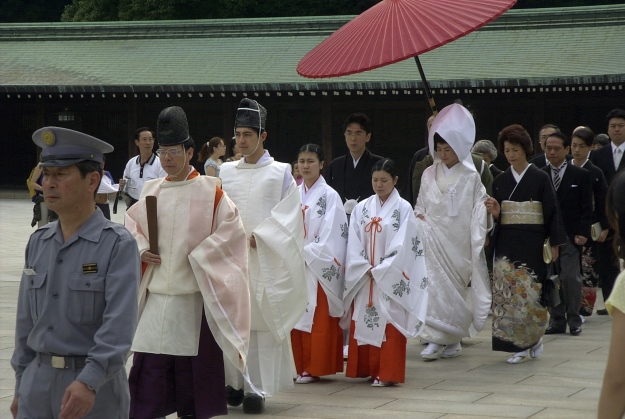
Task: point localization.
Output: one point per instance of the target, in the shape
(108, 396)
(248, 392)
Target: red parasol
(394, 30)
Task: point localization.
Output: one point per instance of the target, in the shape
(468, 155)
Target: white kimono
(453, 234)
(268, 200)
(203, 265)
(384, 239)
(325, 244)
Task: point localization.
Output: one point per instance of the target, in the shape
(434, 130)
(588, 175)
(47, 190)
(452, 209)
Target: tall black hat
(172, 127)
(251, 114)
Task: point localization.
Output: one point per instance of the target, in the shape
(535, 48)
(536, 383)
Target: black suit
(495, 170)
(540, 160)
(352, 182)
(575, 199)
(607, 262)
(603, 158)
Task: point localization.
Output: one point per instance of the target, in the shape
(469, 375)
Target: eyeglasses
(357, 134)
(173, 152)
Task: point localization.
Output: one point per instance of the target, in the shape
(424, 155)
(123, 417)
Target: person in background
(610, 160)
(573, 187)
(317, 338)
(385, 281)
(146, 166)
(581, 146)
(77, 304)
(540, 160)
(234, 152)
(211, 154)
(296, 173)
(488, 151)
(600, 140)
(41, 215)
(612, 398)
(349, 174)
(106, 187)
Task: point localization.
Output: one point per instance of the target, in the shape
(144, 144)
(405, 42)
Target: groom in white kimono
(269, 203)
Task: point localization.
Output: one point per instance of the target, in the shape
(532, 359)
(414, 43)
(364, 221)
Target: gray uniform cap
(64, 147)
(251, 114)
(172, 127)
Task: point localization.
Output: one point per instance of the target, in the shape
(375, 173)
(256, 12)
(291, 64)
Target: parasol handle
(150, 204)
(426, 86)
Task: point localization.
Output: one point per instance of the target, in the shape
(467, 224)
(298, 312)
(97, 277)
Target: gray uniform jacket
(78, 298)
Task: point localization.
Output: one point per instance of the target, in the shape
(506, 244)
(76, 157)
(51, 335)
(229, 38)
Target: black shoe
(602, 312)
(253, 404)
(575, 331)
(234, 397)
(553, 331)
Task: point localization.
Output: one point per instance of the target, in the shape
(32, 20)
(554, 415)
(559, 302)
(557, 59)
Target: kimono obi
(527, 212)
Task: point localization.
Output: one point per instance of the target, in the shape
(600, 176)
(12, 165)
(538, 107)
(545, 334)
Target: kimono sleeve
(281, 287)
(220, 264)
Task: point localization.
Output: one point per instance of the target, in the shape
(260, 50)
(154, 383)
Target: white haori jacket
(325, 245)
(384, 238)
(203, 265)
(453, 233)
(276, 267)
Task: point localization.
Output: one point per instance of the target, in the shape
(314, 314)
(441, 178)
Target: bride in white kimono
(317, 338)
(385, 281)
(453, 224)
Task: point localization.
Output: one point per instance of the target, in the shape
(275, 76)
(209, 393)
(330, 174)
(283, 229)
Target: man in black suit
(540, 160)
(573, 186)
(350, 175)
(610, 160)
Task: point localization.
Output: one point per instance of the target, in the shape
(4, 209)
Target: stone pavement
(563, 383)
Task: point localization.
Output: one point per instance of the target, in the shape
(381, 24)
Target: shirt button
(59, 261)
(88, 284)
(55, 295)
(50, 329)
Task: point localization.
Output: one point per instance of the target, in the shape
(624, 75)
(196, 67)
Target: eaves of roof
(523, 48)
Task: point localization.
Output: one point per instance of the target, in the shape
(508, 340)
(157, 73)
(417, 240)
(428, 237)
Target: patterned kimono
(529, 214)
(318, 339)
(453, 233)
(390, 307)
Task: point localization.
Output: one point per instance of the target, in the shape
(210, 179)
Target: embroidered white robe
(385, 240)
(325, 244)
(276, 268)
(203, 265)
(453, 233)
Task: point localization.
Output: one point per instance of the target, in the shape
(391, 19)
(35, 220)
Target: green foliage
(91, 11)
(112, 10)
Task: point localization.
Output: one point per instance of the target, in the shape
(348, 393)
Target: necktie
(556, 177)
(618, 155)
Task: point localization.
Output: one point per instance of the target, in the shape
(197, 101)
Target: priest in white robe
(453, 224)
(193, 298)
(268, 200)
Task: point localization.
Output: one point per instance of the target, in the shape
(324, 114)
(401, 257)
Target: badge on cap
(48, 137)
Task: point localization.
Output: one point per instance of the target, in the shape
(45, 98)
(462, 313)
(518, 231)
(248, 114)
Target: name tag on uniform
(30, 272)
(90, 268)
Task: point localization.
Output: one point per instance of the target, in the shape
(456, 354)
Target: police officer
(77, 304)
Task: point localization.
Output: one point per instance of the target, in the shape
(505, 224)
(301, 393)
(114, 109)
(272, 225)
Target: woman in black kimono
(526, 208)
